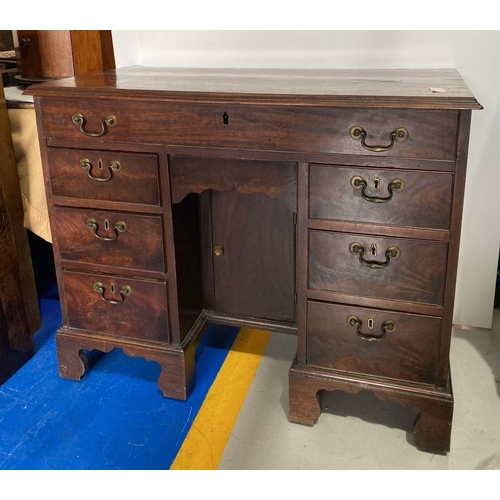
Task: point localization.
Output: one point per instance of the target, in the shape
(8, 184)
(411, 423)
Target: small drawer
(381, 196)
(104, 175)
(373, 342)
(429, 134)
(104, 237)
(117, 305)
(388, 268)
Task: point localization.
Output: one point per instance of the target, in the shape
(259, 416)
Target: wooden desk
(322, 203)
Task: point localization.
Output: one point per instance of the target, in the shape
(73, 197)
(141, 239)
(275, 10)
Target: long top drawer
(428, 134)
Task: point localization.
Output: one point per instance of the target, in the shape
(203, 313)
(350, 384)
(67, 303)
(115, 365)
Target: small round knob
(218, 251)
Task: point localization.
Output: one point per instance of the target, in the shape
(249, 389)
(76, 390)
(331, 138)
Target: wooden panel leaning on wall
(19, 311)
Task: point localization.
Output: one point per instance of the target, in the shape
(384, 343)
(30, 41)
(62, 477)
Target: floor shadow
(117, 363)
(42, 257)
(367, 407)
(487, 344)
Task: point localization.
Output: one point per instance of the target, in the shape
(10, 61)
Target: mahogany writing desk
(325, 204)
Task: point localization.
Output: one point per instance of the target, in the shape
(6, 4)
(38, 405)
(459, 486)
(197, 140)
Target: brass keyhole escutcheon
(370, 323)
(219, 251)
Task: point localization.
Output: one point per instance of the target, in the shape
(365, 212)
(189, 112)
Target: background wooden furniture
(8, 65)
(63, 53)
(247, 197)
(19, 311)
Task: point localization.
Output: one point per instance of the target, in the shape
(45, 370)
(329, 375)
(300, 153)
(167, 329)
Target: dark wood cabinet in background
(19, 310)
(52, 54)
(320, 203)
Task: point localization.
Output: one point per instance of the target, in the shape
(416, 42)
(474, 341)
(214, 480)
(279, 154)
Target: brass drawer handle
(391, 253)
(114, 166)
(124, 291)
(387, 326)
(109, 121)
(119, 227)
(396, 185)
(359, 133)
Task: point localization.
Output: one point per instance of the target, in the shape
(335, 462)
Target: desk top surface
(394, 88)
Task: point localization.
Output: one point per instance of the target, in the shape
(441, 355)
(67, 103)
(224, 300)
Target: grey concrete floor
(361, 432)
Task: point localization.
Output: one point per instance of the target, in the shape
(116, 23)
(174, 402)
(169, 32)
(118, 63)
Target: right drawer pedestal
(377, 312)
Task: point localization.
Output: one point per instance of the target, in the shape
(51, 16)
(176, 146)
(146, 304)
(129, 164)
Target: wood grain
(278, 180)
(142, 314)
(69, 179)
(432, 427)
(18, 295)
(139, 247)
(418, 275)
(432, 134)
(256, 274)
(64, 53)
(92, 51)
(236, 152)
(425, 201)
(178, 367)
(411, 352)
(375, 88)
(47, 55)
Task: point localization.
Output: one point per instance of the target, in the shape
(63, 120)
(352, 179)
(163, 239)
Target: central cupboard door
(253, 256)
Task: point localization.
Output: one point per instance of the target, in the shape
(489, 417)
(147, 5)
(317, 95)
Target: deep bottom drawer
(373, 342)
(117, 305)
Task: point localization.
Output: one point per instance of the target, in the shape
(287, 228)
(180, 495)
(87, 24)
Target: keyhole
(106, 224)
(112, 287)
(225, 119)
(373, 250)
(370, 323)
(376, 184)
(99, 164)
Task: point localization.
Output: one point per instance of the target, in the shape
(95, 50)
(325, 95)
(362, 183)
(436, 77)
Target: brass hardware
(370, 323)
(391, 253)
(373, 250)
(387, 326)
(119, 227)
(359, 133)
(109, 121)
(114, 166)
(396, 185)
(219, 251)
(376, 183)
(124, 291)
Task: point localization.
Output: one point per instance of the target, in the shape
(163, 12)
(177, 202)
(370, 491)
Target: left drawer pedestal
(178, 367)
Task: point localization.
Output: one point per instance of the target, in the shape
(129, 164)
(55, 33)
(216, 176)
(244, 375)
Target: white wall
(475, 54)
